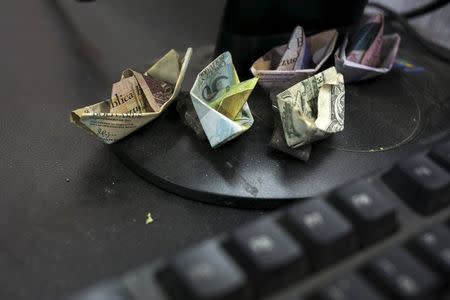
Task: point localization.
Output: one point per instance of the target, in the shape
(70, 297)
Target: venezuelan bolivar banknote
(220, 101)
(300, 58)
(135, 100)
(313, 108)
(366, 53)
(365, 45)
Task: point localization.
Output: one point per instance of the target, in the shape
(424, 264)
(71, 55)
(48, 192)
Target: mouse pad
(385, 119)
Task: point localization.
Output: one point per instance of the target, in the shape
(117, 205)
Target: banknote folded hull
(136, 99)
(220, 101)
(354, 72)
(312, 109)
(321, 47)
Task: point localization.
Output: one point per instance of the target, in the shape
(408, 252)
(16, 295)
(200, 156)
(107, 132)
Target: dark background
(70, 212)
(57, 236)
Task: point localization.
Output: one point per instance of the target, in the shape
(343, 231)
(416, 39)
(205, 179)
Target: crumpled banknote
(135, 100)
(220, 101)
(313, 108)
(300, 58)
(278, 141)
(366, 53)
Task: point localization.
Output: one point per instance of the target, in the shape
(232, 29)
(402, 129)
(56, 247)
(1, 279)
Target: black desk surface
(70, 212)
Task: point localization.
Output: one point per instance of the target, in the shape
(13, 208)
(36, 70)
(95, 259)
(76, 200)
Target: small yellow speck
(149, 219)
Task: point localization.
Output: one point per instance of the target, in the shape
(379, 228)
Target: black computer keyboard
(385, 236)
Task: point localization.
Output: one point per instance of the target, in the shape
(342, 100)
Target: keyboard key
(349, 287)
(441, 154)
(421, 183)
(434, 246)
(271, 257)
(403, 276)
(326, 235)
(373, 213)
(207, 272)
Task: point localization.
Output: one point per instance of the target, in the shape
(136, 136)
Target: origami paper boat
(300, 58)
(356, 72)
(136, 99)
(313, 108)
(220, 101)
(377, 56)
